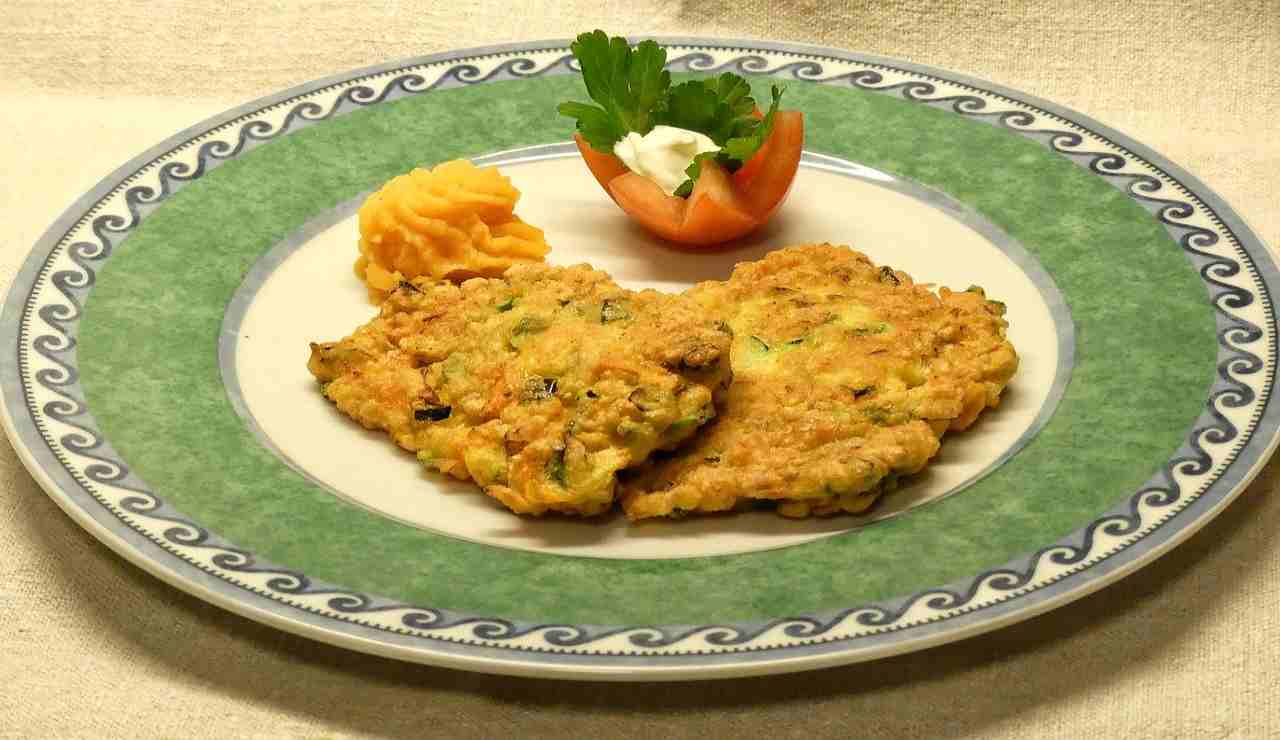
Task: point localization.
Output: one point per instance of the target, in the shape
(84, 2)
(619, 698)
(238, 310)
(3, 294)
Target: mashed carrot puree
(455, 221)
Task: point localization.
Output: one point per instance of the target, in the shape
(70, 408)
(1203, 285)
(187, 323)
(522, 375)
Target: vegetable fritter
(539, 386)
(846, 376)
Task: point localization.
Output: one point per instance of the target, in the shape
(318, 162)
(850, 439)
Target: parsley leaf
(629, 86)
(744, 145)
(633, 93)
(690, 106)
(719, 107)
(749, 134)
(647, 83)
(595, 124)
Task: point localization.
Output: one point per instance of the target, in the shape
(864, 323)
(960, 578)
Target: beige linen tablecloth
(92, 646)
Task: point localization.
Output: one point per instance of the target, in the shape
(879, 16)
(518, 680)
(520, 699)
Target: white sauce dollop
(663, 154)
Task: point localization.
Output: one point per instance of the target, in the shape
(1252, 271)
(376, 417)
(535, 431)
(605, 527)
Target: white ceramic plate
(155, 381)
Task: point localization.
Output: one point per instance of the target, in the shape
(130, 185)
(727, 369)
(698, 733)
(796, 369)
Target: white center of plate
(313, 296)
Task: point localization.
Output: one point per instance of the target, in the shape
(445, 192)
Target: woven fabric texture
(91, 646)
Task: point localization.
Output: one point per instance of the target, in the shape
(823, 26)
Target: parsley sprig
(630, 86)
(632, 92)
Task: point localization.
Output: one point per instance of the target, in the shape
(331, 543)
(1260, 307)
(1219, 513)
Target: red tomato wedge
(771, 182)
(644, 201)
(714, 212)
(722, 207)
(604, 166)
(711, 215)
(747, 172)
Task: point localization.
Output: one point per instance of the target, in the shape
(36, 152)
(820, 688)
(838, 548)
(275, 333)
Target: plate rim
(473, 656)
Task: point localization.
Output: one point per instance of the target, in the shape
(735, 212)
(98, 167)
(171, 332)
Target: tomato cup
(723, 206)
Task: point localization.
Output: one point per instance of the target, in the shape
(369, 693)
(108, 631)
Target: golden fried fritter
(846, 375)
(539, 386)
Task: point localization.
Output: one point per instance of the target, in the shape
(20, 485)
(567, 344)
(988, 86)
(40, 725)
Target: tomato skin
(722, 207)
(714, 213)
(646, 203)
(747, 172)
(771, 183)
(603, 166)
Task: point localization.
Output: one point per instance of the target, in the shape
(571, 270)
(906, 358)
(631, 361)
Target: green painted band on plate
(148, 361)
